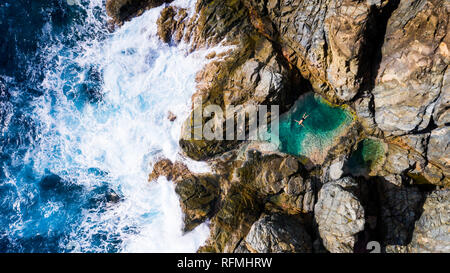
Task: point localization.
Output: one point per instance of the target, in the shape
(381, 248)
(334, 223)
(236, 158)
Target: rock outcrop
(432, 229)
(122, 10)
(414, 63)
(387, 177)
(339, 215)
(278, 234)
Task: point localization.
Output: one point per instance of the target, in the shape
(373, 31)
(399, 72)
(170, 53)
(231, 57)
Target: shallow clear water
(83, 117)
(323, 125)
(368, 153)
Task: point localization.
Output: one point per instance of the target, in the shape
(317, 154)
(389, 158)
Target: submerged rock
(339, 215)
(278, 234)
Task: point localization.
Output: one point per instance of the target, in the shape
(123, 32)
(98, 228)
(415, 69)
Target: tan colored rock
(171, 24)
(328, 41)
(414, 61)
(172, 171)
(432, 230)
(339, 215)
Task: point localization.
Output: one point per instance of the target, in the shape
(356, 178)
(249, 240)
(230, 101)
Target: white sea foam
(123, 134)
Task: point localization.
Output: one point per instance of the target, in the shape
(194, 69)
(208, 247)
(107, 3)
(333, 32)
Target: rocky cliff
(385, 178)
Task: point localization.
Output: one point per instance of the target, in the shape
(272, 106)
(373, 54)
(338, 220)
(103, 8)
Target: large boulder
(121, 10)
(432, 230)
(198, 196)
(415, 57)
(198, 193)
(278, 234)
(239, 209)
(339, 215)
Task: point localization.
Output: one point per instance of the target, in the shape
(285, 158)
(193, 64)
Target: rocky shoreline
(386, 179)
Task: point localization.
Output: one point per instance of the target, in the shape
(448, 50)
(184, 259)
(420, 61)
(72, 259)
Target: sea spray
(101, 122)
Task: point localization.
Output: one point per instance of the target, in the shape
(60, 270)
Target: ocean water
(83, 116)
(321, 128)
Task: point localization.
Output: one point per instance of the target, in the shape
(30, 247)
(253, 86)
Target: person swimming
(300, 122)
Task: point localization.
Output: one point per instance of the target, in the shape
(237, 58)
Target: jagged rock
(400, 208)
(252, 75)
(417, 142)
(364, 111)
(339, 215)
(239, 210)
(170, 22)
(280, 179)
(441, 115)
(439, 147)
(171, 116)
(121, 10)
(172, 171)
(335, 169)
(432, 230)
(328, 41)
(278, 234)
(414, 60)
(396, 160)
(198, 195)
(298, 196)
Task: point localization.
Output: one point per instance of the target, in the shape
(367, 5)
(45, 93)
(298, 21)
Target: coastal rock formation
(238, 210)
(382, 65)
(339, 215)
(432, 229)
(400, 209)
(278, 234)
(122, 10)
(198, 192)
(414, 63)
(328, 41)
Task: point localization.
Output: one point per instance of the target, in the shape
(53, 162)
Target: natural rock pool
(369, 152)
(321, 130)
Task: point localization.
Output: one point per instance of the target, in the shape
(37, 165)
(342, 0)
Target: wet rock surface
(122, 10)
(386, 62)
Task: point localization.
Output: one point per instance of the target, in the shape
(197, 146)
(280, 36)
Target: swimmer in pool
(300, 122)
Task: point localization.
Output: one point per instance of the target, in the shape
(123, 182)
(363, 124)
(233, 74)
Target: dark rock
(239, 210)
(400, 208)
(198, 195)
(121, 10)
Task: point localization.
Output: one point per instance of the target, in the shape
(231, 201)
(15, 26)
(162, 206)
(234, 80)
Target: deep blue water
(83, 116)
(39, 210)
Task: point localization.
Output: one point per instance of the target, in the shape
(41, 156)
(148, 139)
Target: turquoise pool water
(323, 126)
